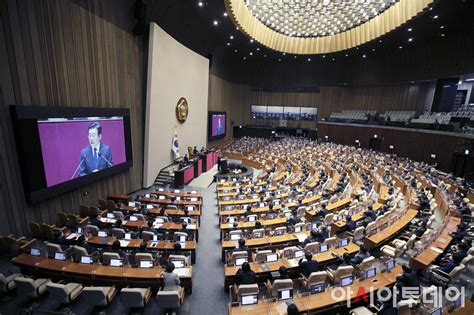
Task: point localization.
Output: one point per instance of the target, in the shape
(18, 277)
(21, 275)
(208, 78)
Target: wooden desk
(168, 201)
(438, 246)
(337, 225)
(386, 235)
(180, 194)
(95, 274)
(163, 245)
(320, 302)
(175, 227)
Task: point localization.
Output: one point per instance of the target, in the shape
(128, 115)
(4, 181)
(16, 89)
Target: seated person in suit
(96, 156)
(116, 248)
(248, 211)
(171, 279)
(322, 212)
(350, 226)
(407, 278)
(363, 253)
(311, 238)
(258, 225)
(309, 265)
(282, 273)
(150, 227)
(294, 218)
(241, 245)
(421, 230)
(371, 213)
(81, 241)
(344, 260)
(94, 219)
(187, 231)
(245, 275)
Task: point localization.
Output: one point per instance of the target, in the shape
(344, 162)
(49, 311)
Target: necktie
(96, 159)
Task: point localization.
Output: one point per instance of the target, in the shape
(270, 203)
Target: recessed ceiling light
(324, 56)
(258, 48)
(435, 16)
(410, 39)
(357, 48)
(231, 37)
(251, 40)
(364, 56)
(333, 59)
(410, 29)
(216, 22)
(412, 82)
(265, 56)
(294, 57)
(235, 50)
(442, 35)
(400, 47)
(380, 40)
(279, 59)
(373, 49)
(228, 44)
(200, 3)
(442, 26)
(347, 55)
(237, 28)
(284, 54)
(309, 59)
(251, 53)
(225, 13)
(245, 58)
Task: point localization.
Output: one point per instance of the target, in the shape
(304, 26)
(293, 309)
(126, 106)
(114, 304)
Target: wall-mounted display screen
(217, 125)
(284, 112)
(61, 149)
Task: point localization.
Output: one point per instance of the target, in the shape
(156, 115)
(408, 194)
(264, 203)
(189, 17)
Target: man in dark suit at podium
(96, 156)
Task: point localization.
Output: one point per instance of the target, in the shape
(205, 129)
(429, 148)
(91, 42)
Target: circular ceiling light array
(315, 18)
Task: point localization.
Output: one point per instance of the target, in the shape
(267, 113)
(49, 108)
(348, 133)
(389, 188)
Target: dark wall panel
(67, 53)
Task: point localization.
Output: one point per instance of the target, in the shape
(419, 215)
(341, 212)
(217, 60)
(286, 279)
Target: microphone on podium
(77, 168)
(102, 156)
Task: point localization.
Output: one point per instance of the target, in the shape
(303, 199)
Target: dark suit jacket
(88, 164)
(307, 267)
(245, 277)
(408, 279)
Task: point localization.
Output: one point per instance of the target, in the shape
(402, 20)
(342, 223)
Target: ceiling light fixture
(410, 29)
(200, 3)
(231, 37)
(410, 39)
(216, 22)
(225, 13)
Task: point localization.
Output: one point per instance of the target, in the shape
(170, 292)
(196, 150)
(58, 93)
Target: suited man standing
(96, 156)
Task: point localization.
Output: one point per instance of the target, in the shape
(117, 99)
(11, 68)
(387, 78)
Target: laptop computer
(128, 236)
(60, 256)
(389, 265)
(102, 234)
(133, 218)
(343, 242)
(131, 204)
(35, 252)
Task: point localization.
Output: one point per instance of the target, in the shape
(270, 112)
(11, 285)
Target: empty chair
(467, 260)
(370, 229)
(102, 204)
(279, 284)
(47, 231)
(143, 256)
(147, 236)
(64, 293)
(392, 251)
(280, 230)
(77, 252)
(111, 206)
(170, 299)
(8, 283)
(35, 230)
(244, 289)
(358, 234)
(53, 249)
(98, 296)
(237, 234)
(340, 272)
(328, 219)
(29, 287)
(118, 233)
(92, 229)
(258, 233)
(261, 255)
(119, 215)
(135, 297)
(62, 218)
(107, 256)
(84, 211)
(312, 247)
(289, 252)
(330, 242)
(238, 254)
(74, 220)
(316, 278)
(177, 236)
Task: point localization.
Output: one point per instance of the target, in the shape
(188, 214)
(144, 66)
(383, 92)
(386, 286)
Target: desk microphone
(80, 163)
(102, 156)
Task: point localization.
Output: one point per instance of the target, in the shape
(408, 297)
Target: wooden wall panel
(67, 53)
(237, 99)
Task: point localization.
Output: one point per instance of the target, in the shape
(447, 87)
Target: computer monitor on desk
(240, 261)
(271, 257)
(102, 234)
(369, 273)
(389, 265)
(323, 248)
(343, 242)
(60, 256)
(285, 294)
(35, 252)
(346, 281)
(86, 260)
(249, 299)
(116, 262)
(235, 237)
(299, 253)
(178, 263)
(317, 288)
(146, 264)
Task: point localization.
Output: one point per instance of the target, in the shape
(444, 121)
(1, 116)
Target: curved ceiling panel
(293, 42)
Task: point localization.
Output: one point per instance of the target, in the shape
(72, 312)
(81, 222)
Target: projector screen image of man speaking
(96, 156)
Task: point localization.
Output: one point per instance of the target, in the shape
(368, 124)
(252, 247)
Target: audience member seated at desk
(460, 233)
(60, 237)
(371, 213)
(94, 219)
(81, 242)
(189, 232)
(311, 238)
(117, 249)
(344, 260)
(245, 275)
(282, 273)
(322, 212)
(171, 279)
(271, 213)
(294, 218)
(407, 278)
(363, 254)
(308, 265)
(350, 226)
(459, 252)
(420, 230)
(241, 246)
(248, 211)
